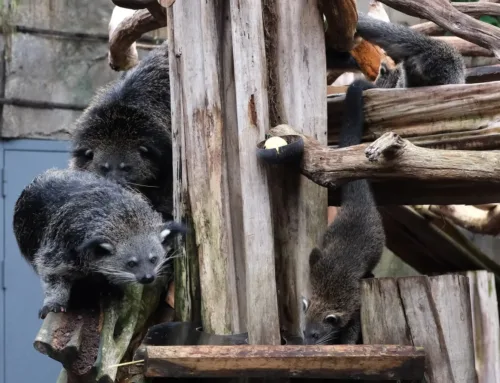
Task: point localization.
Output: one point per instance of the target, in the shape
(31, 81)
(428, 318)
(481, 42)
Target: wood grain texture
(334, 362)
(447, 117)
(453, 305)
(441, 12)
(486, 327)
(466, 48)
(199, 83)
(298, 97)
(433, 313)
(250, 68)
(186, 268)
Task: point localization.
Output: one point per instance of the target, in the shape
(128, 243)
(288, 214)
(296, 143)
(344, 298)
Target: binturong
(72, 224)
(350, 248)
(421, 60)
(125, 133)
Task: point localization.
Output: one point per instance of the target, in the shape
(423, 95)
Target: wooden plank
(199, 78)
(430, 312)
(422, 111)
(335, 362)
(250, 70)
(453, 305)
(486, 327)
(186, 269)
(297, 86)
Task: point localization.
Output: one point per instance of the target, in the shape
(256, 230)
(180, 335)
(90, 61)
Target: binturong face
(138, 259)
(323, 325)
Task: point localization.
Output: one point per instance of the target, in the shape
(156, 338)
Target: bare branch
(125, 28)
(342, 17)
(464, 26)
(477, 220)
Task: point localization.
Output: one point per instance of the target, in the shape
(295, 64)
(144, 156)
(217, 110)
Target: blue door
(21, 297)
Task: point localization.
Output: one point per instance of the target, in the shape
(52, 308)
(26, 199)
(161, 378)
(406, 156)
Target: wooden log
(485, 73)
(464, 26)
(333, 362)
(486, 328)
(391, 157)
(424, 112)
(196, 84)
(417, 310)
(298, 92)
(250, 69)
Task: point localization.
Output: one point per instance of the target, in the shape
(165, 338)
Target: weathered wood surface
(430, 244)
(186, 268)
(464, 26)
(484, 73)
(486, 327)
(447, 116)
(334, 362)
(417, 311)
(391, 157)
(297, 96)
(250, 69)
(196, 80)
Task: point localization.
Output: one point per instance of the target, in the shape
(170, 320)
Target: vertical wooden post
(486, 327)
(250, 74)
(430, 312)
(295, 40)
(195, 40)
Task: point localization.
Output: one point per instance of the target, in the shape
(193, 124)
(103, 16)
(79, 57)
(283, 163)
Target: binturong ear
(314, 256)
(98, 246)
(171, 229)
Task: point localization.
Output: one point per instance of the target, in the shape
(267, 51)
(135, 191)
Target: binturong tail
(356, 193)
(397, 40)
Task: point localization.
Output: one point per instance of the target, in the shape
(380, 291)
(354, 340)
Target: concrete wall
(38, 66)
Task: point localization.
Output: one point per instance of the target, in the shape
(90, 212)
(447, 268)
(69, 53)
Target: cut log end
(387, 146)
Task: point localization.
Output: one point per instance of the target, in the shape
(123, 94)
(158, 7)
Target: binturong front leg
(56, 291)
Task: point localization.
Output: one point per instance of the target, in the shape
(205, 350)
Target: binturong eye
(153, 260)
(332, 319)
(131, 264)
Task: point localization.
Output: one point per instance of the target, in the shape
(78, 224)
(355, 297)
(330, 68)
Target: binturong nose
(146, 279)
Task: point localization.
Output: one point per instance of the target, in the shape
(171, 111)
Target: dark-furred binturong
(350, 248)
(125, 133)
(421, 60)
(71, 224)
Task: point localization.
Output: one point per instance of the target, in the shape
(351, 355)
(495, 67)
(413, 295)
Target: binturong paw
(51, 307)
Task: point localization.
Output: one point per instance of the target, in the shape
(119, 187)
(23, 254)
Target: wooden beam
(485, 73)
(447, 116)
(297, 93)
(250, 75)
(333, 362)
(441, 12)
(486, 326)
